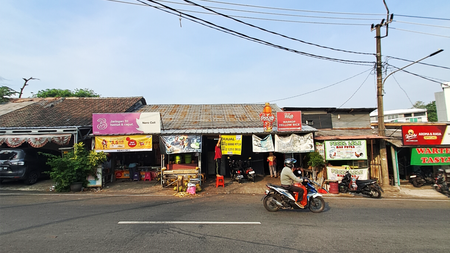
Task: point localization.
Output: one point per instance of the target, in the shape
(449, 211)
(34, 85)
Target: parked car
(27, 164)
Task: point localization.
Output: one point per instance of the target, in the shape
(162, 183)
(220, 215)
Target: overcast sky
(120, 49)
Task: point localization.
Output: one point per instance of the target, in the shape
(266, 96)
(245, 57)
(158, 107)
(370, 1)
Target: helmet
(289, 162)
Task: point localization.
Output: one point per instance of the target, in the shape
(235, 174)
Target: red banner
(426, 135)
(289, 121)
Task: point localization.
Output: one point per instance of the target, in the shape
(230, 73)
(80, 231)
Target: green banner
(430, 156)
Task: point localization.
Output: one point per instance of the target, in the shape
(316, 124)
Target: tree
(6, 93)
(431, 109)
(66, 93)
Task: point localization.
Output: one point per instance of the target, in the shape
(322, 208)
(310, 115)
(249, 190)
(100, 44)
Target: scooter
(249, 173)
(276, 198)
(418, 179)
(440, 184)
(366, 187)
(240, 170)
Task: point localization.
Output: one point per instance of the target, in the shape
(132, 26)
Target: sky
(127, 48)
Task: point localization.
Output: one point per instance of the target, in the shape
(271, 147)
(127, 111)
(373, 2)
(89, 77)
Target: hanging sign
(175, 144)
(262, 144)
(126, 123)
(231, 144)
(267, 118)
(123, 143)
(430, 156)
(289, 121)
(345, 150)
(294, 143)
(426, 135)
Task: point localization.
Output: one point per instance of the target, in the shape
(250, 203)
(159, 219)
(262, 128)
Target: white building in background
(443, 103)
(402, 115)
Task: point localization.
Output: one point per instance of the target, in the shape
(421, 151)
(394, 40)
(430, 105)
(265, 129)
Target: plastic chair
(148, 176)
(220, 181)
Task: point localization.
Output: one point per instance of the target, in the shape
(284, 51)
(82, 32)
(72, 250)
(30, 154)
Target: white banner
(294, 143)
(346, 150)
(263, 144)
(337, 173)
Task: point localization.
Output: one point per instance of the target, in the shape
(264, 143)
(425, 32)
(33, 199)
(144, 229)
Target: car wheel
(32, 177)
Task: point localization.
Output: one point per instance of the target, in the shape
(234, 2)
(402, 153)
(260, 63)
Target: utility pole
(380, 107)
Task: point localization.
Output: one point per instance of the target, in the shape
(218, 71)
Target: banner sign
(174, 144)
(262, 144)
(294, 143)
(346, 150)
(430, 156)
(231, 144)
(336, 173)
(320, 148)
(289, 121)
(426, 135)
(126, 123)
(123, 143)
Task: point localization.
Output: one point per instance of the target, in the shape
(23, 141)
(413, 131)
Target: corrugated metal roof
(213, 118)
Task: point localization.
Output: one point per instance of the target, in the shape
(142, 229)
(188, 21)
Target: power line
(241, 35)
(328, 86)
(423, 63)
(431, 79)
(403, 90)
(420, 32)
(355, 90)
(275, 33)
(411, 23)
(410, 16)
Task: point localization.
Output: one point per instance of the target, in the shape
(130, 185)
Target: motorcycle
(366, 187)
(440, 184)
(249, 173)
(240, 170)
(276, 198)
(418, 179)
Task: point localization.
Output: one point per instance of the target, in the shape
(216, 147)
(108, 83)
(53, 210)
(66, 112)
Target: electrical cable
(411, 23)
(431, 79)
(409, 16)
(402, 89)
(423, 63)
(275, 33)
(241, 35)
(356, 90)
(419, 32)
(325, 87)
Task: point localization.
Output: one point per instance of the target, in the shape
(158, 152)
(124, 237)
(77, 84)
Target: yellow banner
(231, 144)
(123, 143)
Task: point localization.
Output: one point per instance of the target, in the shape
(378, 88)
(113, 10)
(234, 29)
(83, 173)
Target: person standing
(218, 156)
(272, 161)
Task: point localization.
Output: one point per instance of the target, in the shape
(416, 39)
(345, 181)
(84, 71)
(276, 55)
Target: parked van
(27, 164)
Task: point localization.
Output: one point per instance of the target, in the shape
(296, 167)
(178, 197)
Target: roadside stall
(180, 159)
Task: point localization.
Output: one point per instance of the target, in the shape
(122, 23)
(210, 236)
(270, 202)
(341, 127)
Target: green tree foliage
(431, 109)
(6, 93)
(66, 93)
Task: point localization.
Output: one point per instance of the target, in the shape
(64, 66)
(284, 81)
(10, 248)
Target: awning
(36, 141)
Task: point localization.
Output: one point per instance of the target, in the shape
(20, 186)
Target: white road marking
(192, 222)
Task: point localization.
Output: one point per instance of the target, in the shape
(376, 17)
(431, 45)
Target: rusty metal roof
(212, 118)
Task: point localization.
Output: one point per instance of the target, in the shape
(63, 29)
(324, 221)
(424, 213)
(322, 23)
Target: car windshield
(9, 154)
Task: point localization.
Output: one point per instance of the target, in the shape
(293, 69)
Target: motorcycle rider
(288, 178)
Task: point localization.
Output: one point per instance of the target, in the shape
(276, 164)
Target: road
(117, 223)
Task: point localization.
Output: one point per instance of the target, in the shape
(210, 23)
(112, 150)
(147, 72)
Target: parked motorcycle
(240, 170)
(249, 173)
(418, 179)
(366, 187)
(276, 198)
(440, 183)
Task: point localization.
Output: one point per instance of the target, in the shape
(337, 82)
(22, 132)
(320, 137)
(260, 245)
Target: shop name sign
(122, 143)
(430, 156)
(126, 123)
(346, 150)
(289, 121)
(426, 135)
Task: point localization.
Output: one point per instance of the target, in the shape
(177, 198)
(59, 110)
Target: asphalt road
(108, 223)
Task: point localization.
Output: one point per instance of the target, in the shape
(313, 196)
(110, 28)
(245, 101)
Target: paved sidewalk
(126, 187)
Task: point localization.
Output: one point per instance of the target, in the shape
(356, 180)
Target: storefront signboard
(263, 144)
(123, 143)
(337, 173)
(175, 144)
(126, 123)
(345, 150)
(289, 121)
(430, 156)
(231, 144)
(294, 143)
(426, 135)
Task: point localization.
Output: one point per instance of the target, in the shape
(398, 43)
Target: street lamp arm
(433, 54)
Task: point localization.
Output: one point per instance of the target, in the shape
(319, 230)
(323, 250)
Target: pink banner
(126, 123)
(289, 121)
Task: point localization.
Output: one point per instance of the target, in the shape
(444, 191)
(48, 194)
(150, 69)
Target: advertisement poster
(320, 148)
(174, 144)
(337, 173)
(126, 123)
(430, 156)
(267, 118)
(289, 121)
(123, 143)
(231, 144)
(345, 150)
(294, 143)
(426, 135)
(263, 144)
